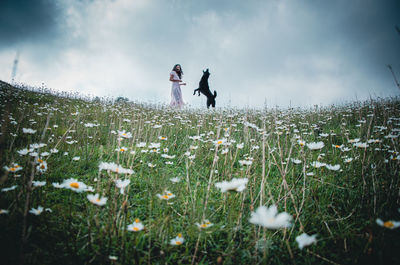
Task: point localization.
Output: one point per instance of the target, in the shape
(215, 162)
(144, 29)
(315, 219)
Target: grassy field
(331, 172)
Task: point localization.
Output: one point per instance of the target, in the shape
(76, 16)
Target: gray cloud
(278, 52)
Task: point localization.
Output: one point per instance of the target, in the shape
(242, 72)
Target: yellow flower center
(97, 200)
(388, 224)
(116, 170)
(16, 166)
(219, 142)
(179, 235)
(203, 225)
(42, 166)
(122, 150)
(124, 134)
(137, 220)
(163, 138)
(40, 160)
(135, 229)
(13, 169)
(74, 185)
(165, 196)
(178, 242)
(169, 193)
(337, 146)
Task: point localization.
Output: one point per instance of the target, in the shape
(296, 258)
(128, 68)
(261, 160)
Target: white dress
(176, 93)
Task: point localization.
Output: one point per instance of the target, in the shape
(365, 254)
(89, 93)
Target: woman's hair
(179, 72)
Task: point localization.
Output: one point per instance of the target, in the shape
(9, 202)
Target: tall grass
(340, 205)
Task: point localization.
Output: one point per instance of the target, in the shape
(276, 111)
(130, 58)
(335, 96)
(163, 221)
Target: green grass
(341, 207)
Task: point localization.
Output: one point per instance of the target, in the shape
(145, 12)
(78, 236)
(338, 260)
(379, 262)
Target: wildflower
(166, 196)
(136, 226)
(315, 146)
(168, 156)
(115, 168)
(351, 141)
(157, 126)
(44, 154)
(74, 185)
(334, 168)
(53, 151)
(28, 130)
(76, 158)
(14, 168)
(124, 134)
(234, 185)
(177, 240)
(151, 165)
(220, 141)
(37, 211)
(246, 162)
(305, 240)
(42, 167)
(361, 145)
(96, 200)
(324, 134)
(317, 164)
(23, 152)
(169, 163)
(154, 145)
(122, 184)
(38, 183)
(121, 149)
(9, 188)
(224, 151)
(240, 146)
(175, 180)
(388, 224)
(2, 211)
(296, 161)
(268, 217)
(162, 138)
(348, 160)
(57, 185)
(205, 224)
(141, 144)
(301, 142)
(112, 257)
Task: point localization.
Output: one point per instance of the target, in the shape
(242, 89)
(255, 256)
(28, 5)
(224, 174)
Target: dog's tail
(215, 94)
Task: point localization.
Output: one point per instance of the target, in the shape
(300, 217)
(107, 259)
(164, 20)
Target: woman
(176, 93)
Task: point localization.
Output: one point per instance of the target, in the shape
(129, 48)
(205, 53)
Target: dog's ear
(204, 71)
(207, 70)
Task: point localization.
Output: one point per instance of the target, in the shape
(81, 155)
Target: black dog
(205, 89)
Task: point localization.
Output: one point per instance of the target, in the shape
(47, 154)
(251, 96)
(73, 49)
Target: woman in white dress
(176, 93)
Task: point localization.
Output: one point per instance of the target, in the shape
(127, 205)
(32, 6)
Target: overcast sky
(275, 52)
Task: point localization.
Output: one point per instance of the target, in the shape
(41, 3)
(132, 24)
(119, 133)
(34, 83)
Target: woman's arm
(171, 78)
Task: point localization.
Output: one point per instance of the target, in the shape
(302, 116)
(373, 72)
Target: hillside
(95, 181)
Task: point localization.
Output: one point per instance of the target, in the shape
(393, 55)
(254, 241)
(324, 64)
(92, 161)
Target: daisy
(305, 240)
(124, 134)
(13, 169)
(388, 224)
(301, 142)
(315, 146)
(240, 146)
(175, 180)
(115, 168)
(235, 184)
(205, 224)
(37, 211)
(96, 200)
(23, 152)
(42, 167)
(166, 196)
(163, 138)
(317, 164)
(361, 145)
(245, 162)
(121, 149)
(220, 141)
(2, 211)
(333, 168)
(269, 218)
(177, 240)
(9, 188)
(74, 185)
(76, 158)
(141, 144)
(122, 184)
(136, 226)
(296, 161)
(154, 145)
(38, 183)
(28, 130)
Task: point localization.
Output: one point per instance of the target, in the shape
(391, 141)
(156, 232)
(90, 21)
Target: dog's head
(206, 73)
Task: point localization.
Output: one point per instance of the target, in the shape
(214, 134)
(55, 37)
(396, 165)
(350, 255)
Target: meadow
(96, 181)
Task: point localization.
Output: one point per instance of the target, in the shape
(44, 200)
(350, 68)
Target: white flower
(177, 240)
(122, 184)
(388, 224)
(37, 211)
(74, 185)
(23, 151)
(361, 145)
(154, 145)
(44, 154)
(141, 144)
(305, 240)
(53, 151)
(2, 211)
(38, 183)
(315, 146)
(96, 200)
(247, 162)
(348, 160)
(136, 226)
(9, 188)
(240, 146)
(151, 165)
(166, 196)
(76, 158)
(268, 217)
(28, 130)
(42, 167)
(235, 184)
(175, 179)
(115, 168)
(296, 161)
(354, 140)
(205, 224)
(317, 164)
(57, 185)
(334, 168)
(124, 134)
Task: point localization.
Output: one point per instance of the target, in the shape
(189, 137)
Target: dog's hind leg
(194, 92)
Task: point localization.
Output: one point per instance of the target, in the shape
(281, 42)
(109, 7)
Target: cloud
(274, 52)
